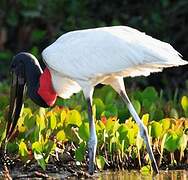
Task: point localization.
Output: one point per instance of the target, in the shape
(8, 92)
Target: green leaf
(166, 123)
(12, 18)
(183, 142)
(30, 13)
(49, 147)
(23, 149)
(132, 133)
(40, 160)
(71, 133)
(111, 126)
(84, 131)
(165, 3)
(80, 152)
(73, 117)
(110, 111)
(61, 135)
(150, 94)
(37, 35)
(100, 126)
(3, 130)
(145, 119)
(152, 110)
(147, 104)
(158, 114)
(162, 147)
(63, 116)
(184, 103)
(34, 135)
(53, 121)
(40, 122)
(29, 122)
(139, 142)
(172, 142)
(100, 107)
(137, 95)
(100, 161)
(145, 170)
(113, 144)
(5, 55)
(37, 147)
(12, 147)
(110, 95)
(35, 51)
(106, 94)
(123, 131)
(27, 112)
(156, 129)
(137, 106)
(174, 113)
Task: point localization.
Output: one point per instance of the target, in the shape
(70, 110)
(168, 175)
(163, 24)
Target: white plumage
(95, 55)
(82, 59)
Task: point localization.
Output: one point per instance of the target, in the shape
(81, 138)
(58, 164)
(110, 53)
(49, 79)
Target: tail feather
(162, 53)
(183, 62)
(147, 69)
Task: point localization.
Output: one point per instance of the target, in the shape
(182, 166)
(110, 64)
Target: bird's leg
(92, 143)
(143, 129)
(118, 85)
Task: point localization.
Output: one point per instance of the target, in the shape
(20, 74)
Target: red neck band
(46, 90)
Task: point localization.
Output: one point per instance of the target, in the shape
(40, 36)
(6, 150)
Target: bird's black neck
(32, 71)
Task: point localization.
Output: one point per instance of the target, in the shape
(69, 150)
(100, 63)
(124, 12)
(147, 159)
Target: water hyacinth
(43, 134)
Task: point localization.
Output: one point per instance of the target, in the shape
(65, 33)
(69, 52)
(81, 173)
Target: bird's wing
(118, 50)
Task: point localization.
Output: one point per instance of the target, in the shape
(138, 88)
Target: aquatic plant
(45, 133)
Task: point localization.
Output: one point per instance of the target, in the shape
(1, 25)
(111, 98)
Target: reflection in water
(134, 175)
(124, 175)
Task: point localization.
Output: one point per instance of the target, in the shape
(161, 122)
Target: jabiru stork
(82, 59)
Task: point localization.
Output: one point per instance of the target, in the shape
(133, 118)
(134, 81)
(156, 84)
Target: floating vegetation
(60, 134)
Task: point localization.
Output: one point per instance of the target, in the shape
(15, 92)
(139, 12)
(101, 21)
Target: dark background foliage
(31, 25)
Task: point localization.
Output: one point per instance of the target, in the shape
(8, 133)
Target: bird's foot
(91, 168)
(144, 135)
(92, 145)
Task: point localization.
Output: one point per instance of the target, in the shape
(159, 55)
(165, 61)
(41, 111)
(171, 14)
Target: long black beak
(25, 71)
(16, 97)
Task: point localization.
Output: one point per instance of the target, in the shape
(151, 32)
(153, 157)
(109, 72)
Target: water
(128, 175)
(135, 175)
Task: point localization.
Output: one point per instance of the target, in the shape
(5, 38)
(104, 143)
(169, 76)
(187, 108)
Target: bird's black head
(26, 72)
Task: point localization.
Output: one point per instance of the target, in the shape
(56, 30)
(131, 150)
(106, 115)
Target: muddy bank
(61, 170)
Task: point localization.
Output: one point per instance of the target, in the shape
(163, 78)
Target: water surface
(125, 175)
(135, 175)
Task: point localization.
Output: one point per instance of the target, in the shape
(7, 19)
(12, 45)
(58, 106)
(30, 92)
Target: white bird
(80, 60)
